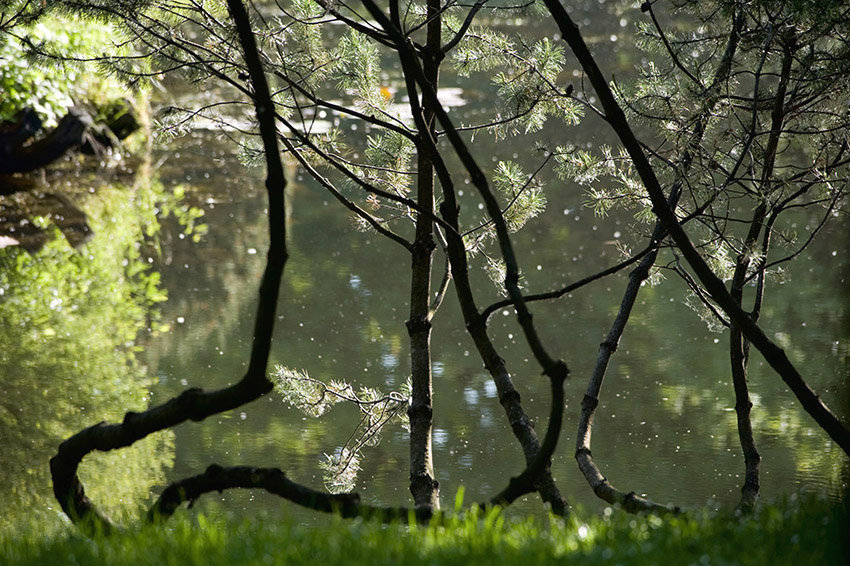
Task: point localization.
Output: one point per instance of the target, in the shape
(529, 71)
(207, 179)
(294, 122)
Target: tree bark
(739, 359)
(584, 457)
(423, 485)
(217, 478)
(738, 344)
(598, 482)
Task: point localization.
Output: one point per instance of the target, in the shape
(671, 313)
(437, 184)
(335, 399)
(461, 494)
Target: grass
(799, 532)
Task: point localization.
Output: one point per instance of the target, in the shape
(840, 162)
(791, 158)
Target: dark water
(665, 427)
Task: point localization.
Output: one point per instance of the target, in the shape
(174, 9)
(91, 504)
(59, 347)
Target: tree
(784, 148)
(285, 69)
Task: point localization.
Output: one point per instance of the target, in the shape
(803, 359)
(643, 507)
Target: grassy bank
(810, 532)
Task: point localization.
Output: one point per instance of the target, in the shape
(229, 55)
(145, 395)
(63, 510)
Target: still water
(665, 427)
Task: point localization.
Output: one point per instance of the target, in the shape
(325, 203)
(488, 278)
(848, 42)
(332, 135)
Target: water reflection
(69, 320)
(664, 425)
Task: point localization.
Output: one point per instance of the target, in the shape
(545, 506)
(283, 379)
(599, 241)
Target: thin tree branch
(667, 46)
(488, 312)
(465, 26)
(331, 188)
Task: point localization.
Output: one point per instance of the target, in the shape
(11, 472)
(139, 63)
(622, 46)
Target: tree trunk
(598, 482)
(739, 359)
(195, 404)
(752, 460)
(423, 485)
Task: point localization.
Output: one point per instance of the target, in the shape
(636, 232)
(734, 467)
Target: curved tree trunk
(598, 482)
(195, 404)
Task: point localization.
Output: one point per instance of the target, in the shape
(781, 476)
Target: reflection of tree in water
(206, 280)
(674, 399)
(26, 220)
(68, 327)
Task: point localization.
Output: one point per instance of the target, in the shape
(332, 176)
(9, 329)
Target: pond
(665, 427)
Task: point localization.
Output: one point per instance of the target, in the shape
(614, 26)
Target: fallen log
(17, 156)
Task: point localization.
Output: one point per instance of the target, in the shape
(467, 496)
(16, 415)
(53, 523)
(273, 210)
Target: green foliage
(488, 49)
(610, 176)
(524, 199)
(314, 398)
(358, 66)
(388, 157)
(173, 203)
(50, 84)
(764, 130)
(790, 533)
(496, 270)
(306, 55)
(361, 125)
(69, 323)
(26, 86)
(527, 78)
(523, 193)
